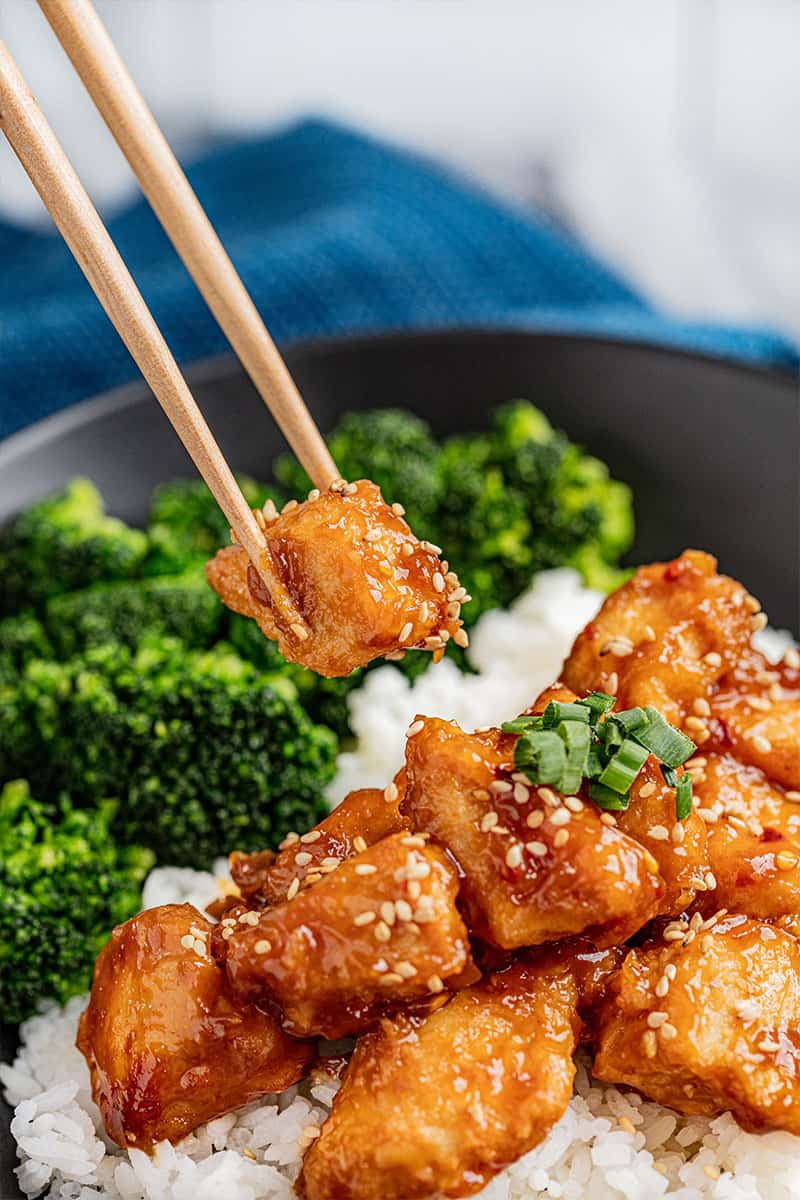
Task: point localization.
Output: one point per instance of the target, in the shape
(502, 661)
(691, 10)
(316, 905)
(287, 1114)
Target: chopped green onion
(542, 756)
(521, 724)
(623, 768)
(575, 736)
(670, 778)
(604, 798)
(594, 763)
(612, 737)
(630, 719)
(598, 704)
(683, 796)
(556, 712)
(664, 740)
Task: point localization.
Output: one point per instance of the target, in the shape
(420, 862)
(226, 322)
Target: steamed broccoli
(203, 752)
(392, 447)
(22, 638)
(63, 542)
(64, 885)
(187, 525)
(178, 605)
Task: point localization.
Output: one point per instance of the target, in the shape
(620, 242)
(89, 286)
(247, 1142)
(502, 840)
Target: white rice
(587, 1156)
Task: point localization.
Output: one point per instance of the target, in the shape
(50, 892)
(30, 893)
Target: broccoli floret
(203, 752)
(64, 884)
(187, 526)
(22, 638)
(392, 447)
(63, 542)
(176, 605)
(522, 498)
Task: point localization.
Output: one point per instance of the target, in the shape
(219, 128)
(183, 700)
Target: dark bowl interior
(710, 448)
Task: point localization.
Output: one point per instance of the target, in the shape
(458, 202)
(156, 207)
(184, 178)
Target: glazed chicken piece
(534, 869)
(381, 931)
(362, 819)
(436, 1107)
(755, 716)
(679, 847)
(709, 1026)
(665, 638)
(363, 583)
(168, 1045)
(753, 840)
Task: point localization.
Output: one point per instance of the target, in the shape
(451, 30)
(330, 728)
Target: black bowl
(710, 448)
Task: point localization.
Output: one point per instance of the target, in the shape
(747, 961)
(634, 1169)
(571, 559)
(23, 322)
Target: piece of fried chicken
(380, 931)
(365, 586)
(535, 866)
(437, 1106)
(168, 1044)
(709, 1022)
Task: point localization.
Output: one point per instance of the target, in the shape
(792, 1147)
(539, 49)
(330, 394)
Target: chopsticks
(51, 173)
(106, 78)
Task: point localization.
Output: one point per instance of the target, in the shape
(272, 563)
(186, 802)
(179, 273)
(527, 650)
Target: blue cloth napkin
(332, 233)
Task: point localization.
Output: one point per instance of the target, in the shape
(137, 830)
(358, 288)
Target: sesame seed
(521, 794)
(461, 638)
(697, 761)
(390, 978)
(561, 816)
(534, 819)
(390, 793)
(662, 987)
(260, 518)
(387, 912)
(649, 1044)
(289, 840)
(695, 723)
(414, 889)
(415, 728)
(678, 833)
(561, 838)
(398, 510)
(303, 858)
(573, 803)
(227, 933)
(424, 913)
(488, 821)
(249, 918)
(646, 790)
(626, 1124)
(785, 860)
(668, 1031)
(187, 941)
(711, 1171)
(612, 685)
(759, 621)
(500, 786)
(659, 833)
(656, 1019)
(364, 918)
(405, 970)
(407, 549)
(514, 855)
(537, 849)
(619, 646)
(351, 489)
(294, 888)
(313, 494)
(648, 633)
(382, 932)
(438, 581)
(609, 819)
(762, 744)
(444, 634)
(710, 880)
(405, 632)
(792, 659)
(200, 947)
(365, 869)
(712, 659)
(748, 1010)
(674, 935)
(262, 946)
(793, 796)
(403, 910)
(453, 610)
(270, 511)
(434, 984)
(313, 835)
(702, 707)
(548, 796)
(670, 970)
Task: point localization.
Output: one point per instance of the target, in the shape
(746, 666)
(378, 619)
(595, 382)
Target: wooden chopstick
(106, 78)
(54, 178)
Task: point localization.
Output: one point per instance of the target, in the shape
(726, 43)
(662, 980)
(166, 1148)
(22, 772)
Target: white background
(667, 132)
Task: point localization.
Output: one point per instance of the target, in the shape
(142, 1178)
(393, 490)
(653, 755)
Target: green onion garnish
(683, 796)
(586, 739)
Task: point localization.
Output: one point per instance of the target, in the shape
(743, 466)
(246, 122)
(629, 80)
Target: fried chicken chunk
(438, 1106)
(363, 583)
(381, 931)
(664, 638)
(753, 840)
(362, 819)
(534, 869)
(168, 1045)
(756, 716)
(709, 1026)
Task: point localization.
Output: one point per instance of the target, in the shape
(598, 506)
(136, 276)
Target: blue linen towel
(333, 233)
